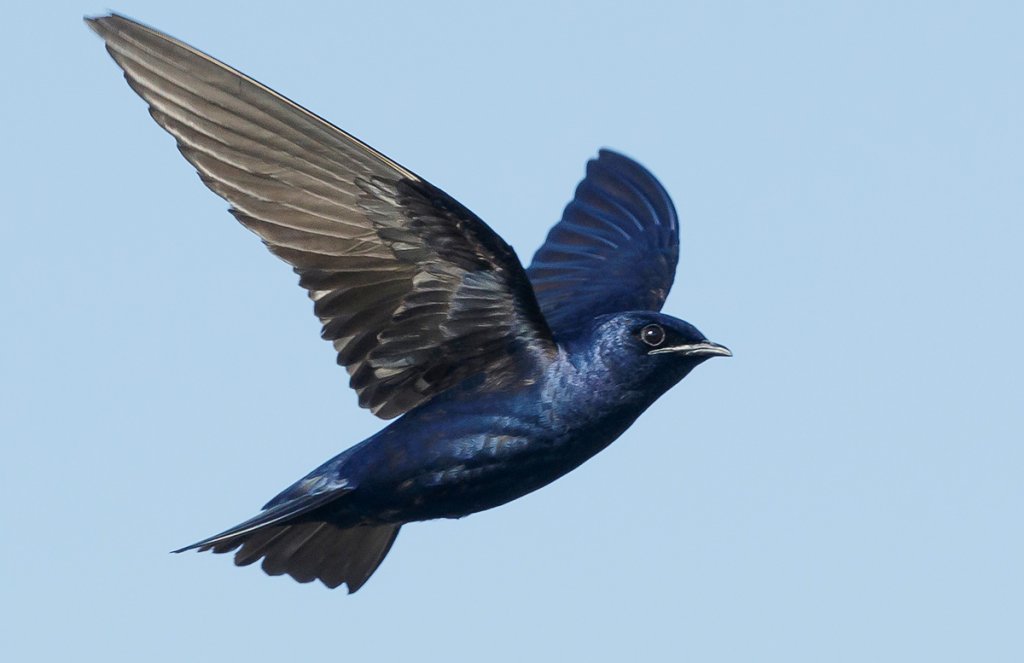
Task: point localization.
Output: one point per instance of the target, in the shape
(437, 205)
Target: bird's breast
(467, 452)
(450, 467)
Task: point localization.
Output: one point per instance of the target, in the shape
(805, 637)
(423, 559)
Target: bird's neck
(589, 391)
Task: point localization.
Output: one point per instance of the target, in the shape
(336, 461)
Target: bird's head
(648, 351)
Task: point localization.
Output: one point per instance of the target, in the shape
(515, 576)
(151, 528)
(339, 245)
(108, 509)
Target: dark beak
(713, 349)
(702, 349)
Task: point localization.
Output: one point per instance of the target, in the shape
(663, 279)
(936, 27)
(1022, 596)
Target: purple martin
(503, 378)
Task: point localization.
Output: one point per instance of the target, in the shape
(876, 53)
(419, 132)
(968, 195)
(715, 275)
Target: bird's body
(505, 378)
(474, 448)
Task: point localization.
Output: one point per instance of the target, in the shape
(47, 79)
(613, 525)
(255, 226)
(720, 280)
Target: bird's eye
(652, 335)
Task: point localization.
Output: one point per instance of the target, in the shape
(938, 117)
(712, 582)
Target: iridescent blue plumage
(505, 378)
(615, 249)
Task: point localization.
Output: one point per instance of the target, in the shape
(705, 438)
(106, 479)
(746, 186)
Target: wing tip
(103, 23)
(606, 156)
(95, 23)
(638, 173)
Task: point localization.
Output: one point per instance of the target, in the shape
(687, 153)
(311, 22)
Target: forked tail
(291, 539)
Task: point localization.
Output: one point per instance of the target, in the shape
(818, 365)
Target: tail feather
(362, 554)
(293, 538)
(279, 556)
(315, 550)
(253, 547)
(311, 556)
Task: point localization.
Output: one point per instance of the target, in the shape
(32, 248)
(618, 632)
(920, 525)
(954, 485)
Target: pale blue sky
(847, 488)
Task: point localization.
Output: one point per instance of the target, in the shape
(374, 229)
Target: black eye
(652, 335)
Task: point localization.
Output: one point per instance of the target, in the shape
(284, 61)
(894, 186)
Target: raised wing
(614, 250)
(414, 290)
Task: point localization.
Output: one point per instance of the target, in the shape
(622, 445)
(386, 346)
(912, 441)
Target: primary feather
(415, 291)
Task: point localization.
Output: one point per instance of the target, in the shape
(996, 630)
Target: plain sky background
(847, 488)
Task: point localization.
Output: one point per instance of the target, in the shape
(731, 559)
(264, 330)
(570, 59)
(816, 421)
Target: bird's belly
(474, 474)
(491, 481)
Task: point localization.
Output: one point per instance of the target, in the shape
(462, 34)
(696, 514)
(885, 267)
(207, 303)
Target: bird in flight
(503, 378)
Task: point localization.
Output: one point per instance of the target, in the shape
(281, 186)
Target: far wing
(614, 250)
(415, 292)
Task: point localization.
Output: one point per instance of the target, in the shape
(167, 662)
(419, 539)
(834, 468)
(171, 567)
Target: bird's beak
(702, 349)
